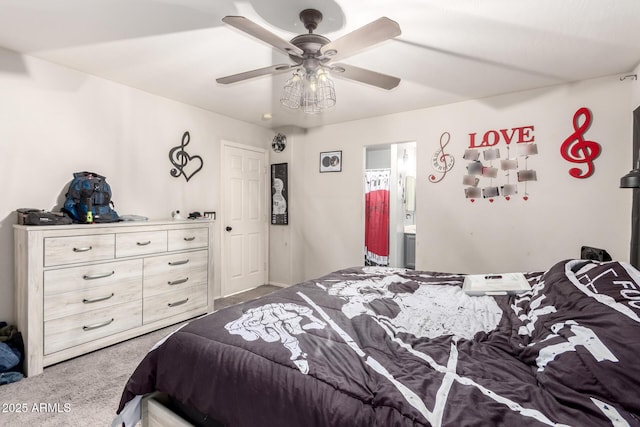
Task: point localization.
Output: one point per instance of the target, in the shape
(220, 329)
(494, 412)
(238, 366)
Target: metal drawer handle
(184, 261)
(85, 249)
(97, 325)
(174, 304)
(89, 301)
(177, 282)
(98, 276)
(190, 239)
(148, 242)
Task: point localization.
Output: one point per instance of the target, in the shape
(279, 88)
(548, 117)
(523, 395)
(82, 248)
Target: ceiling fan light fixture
(314, 91)
(292, 91)
(325, 90)
(311, 88)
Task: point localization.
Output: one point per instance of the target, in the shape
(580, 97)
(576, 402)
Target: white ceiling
(449, 50)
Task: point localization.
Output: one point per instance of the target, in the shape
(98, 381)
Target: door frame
(396, 221)
(265, 204)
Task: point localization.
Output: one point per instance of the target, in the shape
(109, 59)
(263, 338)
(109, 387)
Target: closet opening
(389, 198)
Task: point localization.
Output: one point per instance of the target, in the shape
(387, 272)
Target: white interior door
(244, 225)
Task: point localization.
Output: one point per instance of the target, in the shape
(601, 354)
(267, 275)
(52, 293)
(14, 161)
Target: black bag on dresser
(42, 217)
(89, 199)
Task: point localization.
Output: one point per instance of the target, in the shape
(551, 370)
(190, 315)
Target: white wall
(455, 235)
(635, 90)
(280, 251)
(56, 121)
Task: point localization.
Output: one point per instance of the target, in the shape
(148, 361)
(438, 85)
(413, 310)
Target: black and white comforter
(373, 346)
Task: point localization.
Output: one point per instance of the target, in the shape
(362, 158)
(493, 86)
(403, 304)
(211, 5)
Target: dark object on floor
(9, 358)
(11, 354)
(10, 377)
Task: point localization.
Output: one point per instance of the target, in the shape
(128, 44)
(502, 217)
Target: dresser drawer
(76, 249)
(92, 298)
(166, 273)
(174, 303)
(71, 331)
(86, 277)
(188, 238)
(140, 243)
(82, 287)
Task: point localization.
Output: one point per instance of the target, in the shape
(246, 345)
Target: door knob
(228, 228)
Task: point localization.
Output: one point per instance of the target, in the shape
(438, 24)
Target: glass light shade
(292, 92)
(309, 100)
(313, 92)
(325, 90)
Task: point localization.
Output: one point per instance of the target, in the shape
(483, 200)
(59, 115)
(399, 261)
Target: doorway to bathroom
(389, 198)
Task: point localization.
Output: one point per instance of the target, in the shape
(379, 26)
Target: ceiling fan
(314, 52)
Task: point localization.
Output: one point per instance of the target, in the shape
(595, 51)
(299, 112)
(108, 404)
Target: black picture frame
(279, 194)
(331, 161)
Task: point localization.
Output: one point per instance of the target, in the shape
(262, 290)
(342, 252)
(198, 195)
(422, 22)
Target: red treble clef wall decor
(576, 149)
(441, 161)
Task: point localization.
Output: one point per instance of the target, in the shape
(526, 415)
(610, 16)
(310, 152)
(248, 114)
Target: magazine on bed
(495, 284)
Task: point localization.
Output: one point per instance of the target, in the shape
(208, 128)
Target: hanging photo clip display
(495, 170)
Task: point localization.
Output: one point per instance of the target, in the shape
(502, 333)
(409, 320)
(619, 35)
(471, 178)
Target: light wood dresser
(79, 288)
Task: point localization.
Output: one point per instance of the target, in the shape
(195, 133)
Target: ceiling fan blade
(373, 78)
(373, 33)
(272, 69)
(255, 30)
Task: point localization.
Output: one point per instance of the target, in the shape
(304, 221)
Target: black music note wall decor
(442, 162)
(184, 163)
(576, 149)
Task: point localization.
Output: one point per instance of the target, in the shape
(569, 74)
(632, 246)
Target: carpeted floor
(85, 391)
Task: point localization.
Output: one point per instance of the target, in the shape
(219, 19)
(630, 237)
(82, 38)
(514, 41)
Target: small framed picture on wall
(331, 161)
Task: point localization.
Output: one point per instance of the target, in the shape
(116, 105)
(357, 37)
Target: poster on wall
(331, 161)
(279, 194)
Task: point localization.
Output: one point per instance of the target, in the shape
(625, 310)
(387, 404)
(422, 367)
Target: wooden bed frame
(155, 413)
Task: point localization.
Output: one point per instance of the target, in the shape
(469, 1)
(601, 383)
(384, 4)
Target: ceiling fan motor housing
(311, 18)
(310, 43)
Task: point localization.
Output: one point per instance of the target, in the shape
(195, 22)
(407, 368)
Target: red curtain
(376, 236)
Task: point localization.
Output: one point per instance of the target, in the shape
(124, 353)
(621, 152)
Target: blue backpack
(89, 199)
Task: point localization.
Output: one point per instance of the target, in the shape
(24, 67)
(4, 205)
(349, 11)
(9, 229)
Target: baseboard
(280, 285)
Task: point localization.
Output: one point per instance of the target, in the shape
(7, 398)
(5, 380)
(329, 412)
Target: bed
(373, 346)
